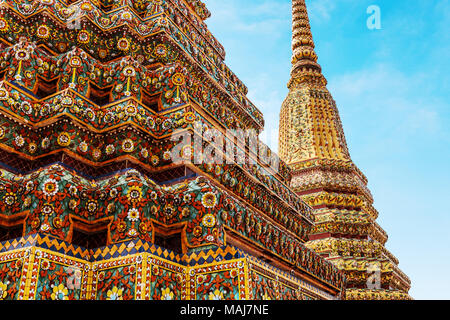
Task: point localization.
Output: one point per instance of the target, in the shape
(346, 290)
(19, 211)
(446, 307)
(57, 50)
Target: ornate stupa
(313, 145)
(100, 194)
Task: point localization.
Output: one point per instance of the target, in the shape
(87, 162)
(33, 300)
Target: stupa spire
(312, 143)
(303, 53)
(310, 126)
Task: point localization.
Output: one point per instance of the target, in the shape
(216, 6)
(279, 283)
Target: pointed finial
(303, 54)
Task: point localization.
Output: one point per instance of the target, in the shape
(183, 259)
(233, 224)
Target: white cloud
(321, 10)
(263, 94)
(264, 17)
(401, 101)
(423, 120)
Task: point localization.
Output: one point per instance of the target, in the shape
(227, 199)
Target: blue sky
(392, 89)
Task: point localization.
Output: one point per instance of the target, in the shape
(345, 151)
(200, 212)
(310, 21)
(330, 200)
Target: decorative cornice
(360, 294)
(199, 8)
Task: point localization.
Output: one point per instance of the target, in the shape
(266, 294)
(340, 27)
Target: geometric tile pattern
(40, 267)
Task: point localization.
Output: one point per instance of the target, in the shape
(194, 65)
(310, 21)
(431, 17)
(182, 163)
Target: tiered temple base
(40, 267)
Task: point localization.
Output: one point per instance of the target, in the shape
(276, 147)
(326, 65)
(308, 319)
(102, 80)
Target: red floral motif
(54, 276)
(224, 282)
(164, 280)
(122, 277)
(10, 274)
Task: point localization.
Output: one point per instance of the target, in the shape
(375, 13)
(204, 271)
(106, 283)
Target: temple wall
(39, 267)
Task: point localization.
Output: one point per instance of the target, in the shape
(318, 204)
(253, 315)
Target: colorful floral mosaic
(34, 270)
(54, 197)
(10, 273)
(94, 99)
